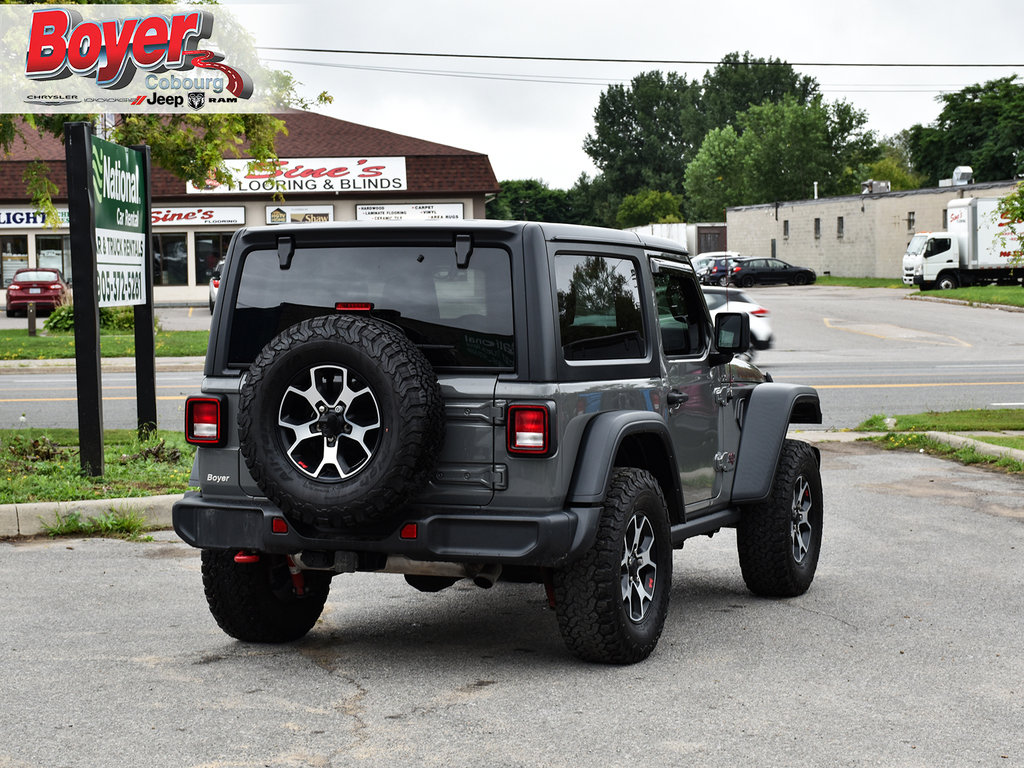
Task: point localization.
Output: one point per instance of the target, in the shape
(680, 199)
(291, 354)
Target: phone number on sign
(120, 287)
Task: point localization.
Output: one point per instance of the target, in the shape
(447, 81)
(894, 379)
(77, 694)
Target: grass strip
(18, 345)
(44, 465)
(114, 524)
(907, 441)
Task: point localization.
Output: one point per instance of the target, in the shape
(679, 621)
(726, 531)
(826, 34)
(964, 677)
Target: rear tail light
(55, 287)
(204, 420)
(760, 312)
(216, 283)
(528, 430)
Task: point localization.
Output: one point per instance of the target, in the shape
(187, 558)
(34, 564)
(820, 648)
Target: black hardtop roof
(440, 230)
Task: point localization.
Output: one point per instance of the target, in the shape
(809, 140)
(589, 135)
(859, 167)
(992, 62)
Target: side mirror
(732, 333)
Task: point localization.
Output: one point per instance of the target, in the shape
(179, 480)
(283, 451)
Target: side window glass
(680, 315)
(599, 313)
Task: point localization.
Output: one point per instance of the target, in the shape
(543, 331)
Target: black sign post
(145, 346)
(78, 154)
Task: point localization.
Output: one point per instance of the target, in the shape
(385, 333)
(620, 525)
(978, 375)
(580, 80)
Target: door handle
(676, 398)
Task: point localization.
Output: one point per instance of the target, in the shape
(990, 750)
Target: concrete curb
(108, 365)
(20, 520)
(961, 302)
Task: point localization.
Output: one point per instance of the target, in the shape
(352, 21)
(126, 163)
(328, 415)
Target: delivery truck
(978, 248)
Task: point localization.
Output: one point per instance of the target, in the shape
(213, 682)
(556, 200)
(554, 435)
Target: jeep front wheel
(612, 602)
(261, 602)
(779, 539)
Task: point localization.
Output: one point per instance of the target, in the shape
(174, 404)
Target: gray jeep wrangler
(485, 400)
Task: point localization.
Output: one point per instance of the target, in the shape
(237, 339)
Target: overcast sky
(531, 117)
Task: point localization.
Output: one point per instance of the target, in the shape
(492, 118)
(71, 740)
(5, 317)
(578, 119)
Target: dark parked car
(715, 267)
(39, 285)
(750, 271)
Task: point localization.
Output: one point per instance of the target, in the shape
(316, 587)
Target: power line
(593, 60)
(600, 82)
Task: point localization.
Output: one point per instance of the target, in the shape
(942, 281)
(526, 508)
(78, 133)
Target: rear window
(37, 276)
(460, 318)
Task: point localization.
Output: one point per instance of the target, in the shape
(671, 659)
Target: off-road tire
(590, 593)
(779, 540)
(396, 458)
(257, 602)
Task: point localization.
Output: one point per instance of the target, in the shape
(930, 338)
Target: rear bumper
(20, 303)
(543, 539)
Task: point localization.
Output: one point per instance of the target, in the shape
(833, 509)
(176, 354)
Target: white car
(733, 300)
(215, 283)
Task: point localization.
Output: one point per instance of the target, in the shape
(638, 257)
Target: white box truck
(978, 248)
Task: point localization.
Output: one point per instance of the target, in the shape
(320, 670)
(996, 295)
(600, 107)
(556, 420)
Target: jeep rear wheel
(612, 602)
(340, 421)
(779, 539)
(259, 602)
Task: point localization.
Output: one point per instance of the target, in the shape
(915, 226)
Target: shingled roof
(430, 167)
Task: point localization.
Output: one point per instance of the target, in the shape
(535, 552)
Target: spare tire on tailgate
(340, 420)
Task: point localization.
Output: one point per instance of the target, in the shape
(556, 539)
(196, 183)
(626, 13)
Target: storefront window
(210, 248)
(170, 259)
(54, 251)
(13, 255)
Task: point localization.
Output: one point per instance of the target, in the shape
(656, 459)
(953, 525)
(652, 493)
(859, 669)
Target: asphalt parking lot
(907, 651)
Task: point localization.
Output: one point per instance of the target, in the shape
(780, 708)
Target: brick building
(851, 236)
(400, 177)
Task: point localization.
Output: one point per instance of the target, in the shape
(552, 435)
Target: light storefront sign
(410, 212)
(310, 174)
(26, 218)
(198, 216)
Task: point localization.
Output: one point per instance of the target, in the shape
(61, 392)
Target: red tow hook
(246, 558)
(298, 580)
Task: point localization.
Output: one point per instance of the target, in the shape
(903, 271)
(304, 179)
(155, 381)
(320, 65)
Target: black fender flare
(647, 435)
(771, 408)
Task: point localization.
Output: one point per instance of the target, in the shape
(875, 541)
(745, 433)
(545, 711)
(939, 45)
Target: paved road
(868, 351)
(907, 651)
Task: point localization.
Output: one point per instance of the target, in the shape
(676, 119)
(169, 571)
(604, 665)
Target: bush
(62, 319)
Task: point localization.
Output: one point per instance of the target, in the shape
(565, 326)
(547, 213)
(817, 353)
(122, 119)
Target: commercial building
(330, 170)
(852, 236)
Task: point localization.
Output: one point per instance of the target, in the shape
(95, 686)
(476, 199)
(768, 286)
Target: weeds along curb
(985, 449)
(20, 520)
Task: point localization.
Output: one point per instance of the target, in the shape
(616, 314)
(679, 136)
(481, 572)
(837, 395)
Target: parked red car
(41, 285)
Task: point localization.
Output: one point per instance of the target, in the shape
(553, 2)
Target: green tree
(649, 207)
(778, 153)
(738, 83)
(1011, 208)
(530, 200)
(645, 132)
(981, 126)
(714, 180)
